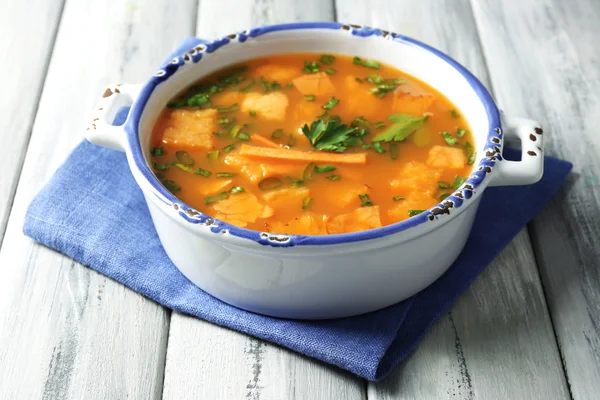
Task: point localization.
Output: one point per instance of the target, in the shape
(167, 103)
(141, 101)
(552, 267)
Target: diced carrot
(259, 139)
(317, 84)
(308, 223)
(239, 208)
(358, 220)
(416, 176)
(293, 155)
(190, 129)
(281, 169)
(414, 201)
(271, 106)
(407, 103)
(278, 73)
(286, 198)
(446, 157)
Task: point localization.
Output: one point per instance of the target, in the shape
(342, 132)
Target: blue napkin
(93, 211)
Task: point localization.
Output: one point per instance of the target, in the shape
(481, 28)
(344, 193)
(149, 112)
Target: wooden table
(527, 329)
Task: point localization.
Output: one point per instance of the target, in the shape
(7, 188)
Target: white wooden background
(527, 329)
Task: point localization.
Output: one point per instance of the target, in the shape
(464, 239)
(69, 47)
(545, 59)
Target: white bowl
(316, 277)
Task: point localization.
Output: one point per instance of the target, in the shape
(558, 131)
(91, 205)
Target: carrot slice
(258, 139)
(293, 155)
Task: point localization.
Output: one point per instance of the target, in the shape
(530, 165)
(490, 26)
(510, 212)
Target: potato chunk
(287, 198)
(358, 220)
(416, 176)
(446, 157)
(308, 223)
(317, 84)
(239, 209)
(191, 129)
(278, 73)
(256, 171)
(407, 103)
(362, 101)
(414, 201)
(270, 106)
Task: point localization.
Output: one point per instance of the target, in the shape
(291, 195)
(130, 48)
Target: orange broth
(233, 147)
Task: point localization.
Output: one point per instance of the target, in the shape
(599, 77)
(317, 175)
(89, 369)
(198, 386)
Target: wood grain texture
(497, 342)
(206, 361)
(545, 64)
(26, 44)
(68, 332)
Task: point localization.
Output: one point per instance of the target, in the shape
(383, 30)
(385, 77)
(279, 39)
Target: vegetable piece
(269, 87)
(270, 183)
(471, 159)
(184, 158)
(296, 183)
(225, 121)
(328, 136)
(308, 171)
(252, 113)
(444, 195)
(331, 103)
(450, 140)
(277, 134)
(236, 189)
(159, 175)
(217, 197)
(403, 126)
(379, 125)
(364, 200)
(327, 59)
(397, 198)
(458, 181)
(292, 141)
(333, 177)
(378, 147)
(233, 132)
(160, 167)
(259, 139)
(446, 157)
(381, 90)
(227, 149)
(325, 168)
(231, 108)
(306, 203)
(212, 155)
(361, 219)
(293, 155)
(158, 151)
(224, 174)
(393, 151)
(286, 199)
(309, 97)
(272, 106)
(357, 79)
(460, 132)
(190, 129)
(412, 213)
(171, 185)
(366, 63)
(183, 167)
(454, 114)
(205, 173)
(196, 100)
(243, 136)
(248, 86)
(329, 71)
(317, 84)
(408, 103)
(310, 67)
(443, 185)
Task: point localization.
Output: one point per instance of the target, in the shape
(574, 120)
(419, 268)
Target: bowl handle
(531, 167)
(101, 131)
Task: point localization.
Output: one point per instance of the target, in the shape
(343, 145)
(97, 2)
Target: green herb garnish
(243, 136)
(460, 132)
(443, 196)
(277, 134)
(160, 167)
(394, 151)
(212, 155)
(171, 185)
(378, 147)
(367, 146)
(231, 108)
(227, 149)
(364, 200)
(219, 134)
(289, 85)
(412, 213)
(366, 63)
(296, 183)
(248, 86)
(450, 140)
(269, 86)
(236, 189)
(471, 159)
(196, 100)
(184, 158)
(270, 183)
(325, 168)
(225, 121)
(330, 71)
(308, 171)
(454, 114)
(183, 167)
(306, 203)
(252, 113)
(224, 174)
(310, 67)
(327, 59)
(309, 97)
(357, 79)
(331, 103)
(217, 197)
(397, 198)
(328, 136)
(205, 173)
(334, 177)
(158, 151)
(159, 175)
(379, 125)
(443, 185)
(404, 125)
(382, 90)
(458, 181)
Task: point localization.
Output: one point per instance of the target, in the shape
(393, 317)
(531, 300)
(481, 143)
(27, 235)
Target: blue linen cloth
(93, 211)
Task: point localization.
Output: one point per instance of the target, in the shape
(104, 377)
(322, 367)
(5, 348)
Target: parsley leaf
(404, 125)
(328, 136)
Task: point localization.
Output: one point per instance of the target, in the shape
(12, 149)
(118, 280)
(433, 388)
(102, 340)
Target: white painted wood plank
(544, 62)
(207, 361)
(497, 342)
(67, 332)
(26, 45)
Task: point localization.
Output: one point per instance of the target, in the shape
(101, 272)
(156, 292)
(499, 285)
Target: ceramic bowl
(316, 277)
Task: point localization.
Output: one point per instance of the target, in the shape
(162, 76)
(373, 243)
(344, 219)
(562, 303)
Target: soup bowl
(317, 277)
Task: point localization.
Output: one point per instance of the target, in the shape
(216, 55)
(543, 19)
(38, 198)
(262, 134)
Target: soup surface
(311, 144)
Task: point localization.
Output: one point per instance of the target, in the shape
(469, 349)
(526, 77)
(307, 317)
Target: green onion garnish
(233, 132)
(397, 198)
(270, 183)
(236, 189)
(460, 132)
(231, 108)
(364, 200)
(219, 134)
(454, 114)
(205, 173)
(327, 59)
(412, 213)
(331, 103)
(382, 90)
(269, 86)
(366, 63)
(310, 67)
(289, 85)
(183, 167)
(443, 185)
(225, 121)
(158, 151)
(227, 149)
(309, 97)
(444, 195)
(308, 171)
(184, 158)
(277, 134)
(325, 168)
(160, 167)
(296, 183)
(306, 203)
(243, 136)
(367, 146)
(451, 141)
(357, 79)
(393, 151)
(224, 174)
(329, 71)
(252, 113)
(334, 177)
(471, 159)
(217, 197)
(171, 185)
(212, 155)
(159, 175)
(458, 181)
(292, 141)
(378, 148)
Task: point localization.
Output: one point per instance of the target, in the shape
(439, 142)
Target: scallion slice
(270, 183)
(158, 151)
(331, 103)
(450, 140)
(397, 198)
(308, 171)
(224, 174)
(364, 200)
(243, 136)
(160, 167)
(184, 158)
(216, 197)
(306, 203)
(334, 177)
(325, 168)
(183, 167)
(227, 149)
(443, 185)
(309, 97)
(458, 181)
(201, 171)
(236, 189)
(412, 213)
(277, 134)
(171, 185)
(212, 155)
(327, 59)
(231, 108)
(330, 71)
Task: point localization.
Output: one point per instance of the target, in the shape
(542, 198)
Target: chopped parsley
(309, 97)
(310, 67)
(327, 59)
(328, 136)
(458, 181)
(450, 140)
(364, 200)
(329, 71)
(366, 63)
(158, 151)
(203, 172)
(331, 103)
